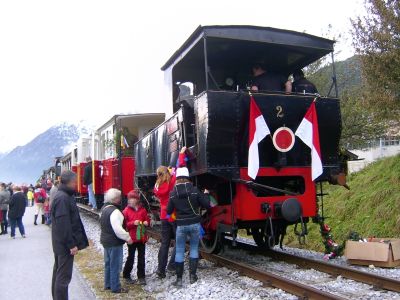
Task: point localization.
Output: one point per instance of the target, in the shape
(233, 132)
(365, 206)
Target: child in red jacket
(46, 209)
(136, 219)
(164, 185)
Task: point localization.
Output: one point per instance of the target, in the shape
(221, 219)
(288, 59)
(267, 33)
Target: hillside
(348, 76)
(371, 207)
(25, 163)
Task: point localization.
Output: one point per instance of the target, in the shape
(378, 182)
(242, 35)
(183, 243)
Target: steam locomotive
(208, 80)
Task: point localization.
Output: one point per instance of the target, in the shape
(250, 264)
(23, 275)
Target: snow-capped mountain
(26, 163)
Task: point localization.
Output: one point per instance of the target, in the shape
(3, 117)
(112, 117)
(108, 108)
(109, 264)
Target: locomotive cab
(213, 122)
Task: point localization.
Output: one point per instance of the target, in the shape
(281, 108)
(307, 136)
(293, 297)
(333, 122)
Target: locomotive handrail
(253, 184)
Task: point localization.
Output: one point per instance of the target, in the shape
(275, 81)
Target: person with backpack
(186, 200)
(40, 196)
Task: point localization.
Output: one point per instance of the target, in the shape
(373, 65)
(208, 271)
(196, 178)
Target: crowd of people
(180, 203)
(12, 203)
(54, 203)
(15, 198)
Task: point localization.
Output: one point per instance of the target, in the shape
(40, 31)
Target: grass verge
(371, 207)
(90, 264)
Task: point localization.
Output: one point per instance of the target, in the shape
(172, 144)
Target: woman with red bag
(136, 220)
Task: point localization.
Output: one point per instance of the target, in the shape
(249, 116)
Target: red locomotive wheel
(211, 239)
(211, 242)
(283, 139)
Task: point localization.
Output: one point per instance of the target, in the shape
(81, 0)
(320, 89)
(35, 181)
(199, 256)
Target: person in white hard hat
(187, 201)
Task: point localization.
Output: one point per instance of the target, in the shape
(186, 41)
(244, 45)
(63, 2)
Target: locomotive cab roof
(214, 53)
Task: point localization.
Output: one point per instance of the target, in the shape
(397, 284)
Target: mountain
(26, 163)
(348, 76)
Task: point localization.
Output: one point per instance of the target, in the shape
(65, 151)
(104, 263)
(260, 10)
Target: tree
(360, 124)
(376, 38)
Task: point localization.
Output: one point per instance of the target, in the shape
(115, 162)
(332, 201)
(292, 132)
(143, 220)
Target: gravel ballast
(222, 283)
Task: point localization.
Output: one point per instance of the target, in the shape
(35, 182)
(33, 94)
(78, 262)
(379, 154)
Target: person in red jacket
(40, 196)
(136, 219)
(164, 185)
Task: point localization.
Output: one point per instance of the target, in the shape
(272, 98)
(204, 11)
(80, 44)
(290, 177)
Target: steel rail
(377, 281)
(269, 279)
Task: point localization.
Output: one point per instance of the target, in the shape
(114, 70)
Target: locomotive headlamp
(229, 81)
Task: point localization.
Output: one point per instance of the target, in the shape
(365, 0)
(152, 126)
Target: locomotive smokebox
(291, 210)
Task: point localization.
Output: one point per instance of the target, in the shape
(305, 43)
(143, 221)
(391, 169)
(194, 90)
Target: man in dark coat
(68, 234)
(302, 85)
(268, 81)
(16, 211)
(88, 181)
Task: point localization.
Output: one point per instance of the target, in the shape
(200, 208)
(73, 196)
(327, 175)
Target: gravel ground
(214, 282)
(340, 286)
(221, 283)
(387, 272)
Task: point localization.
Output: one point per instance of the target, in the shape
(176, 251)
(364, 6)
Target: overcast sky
(88, 60)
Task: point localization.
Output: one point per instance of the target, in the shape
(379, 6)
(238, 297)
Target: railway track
(377, 281)
(270, 279)
(267, 278)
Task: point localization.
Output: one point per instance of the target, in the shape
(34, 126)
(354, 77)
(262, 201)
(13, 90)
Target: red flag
(308, 133)
(258, 130)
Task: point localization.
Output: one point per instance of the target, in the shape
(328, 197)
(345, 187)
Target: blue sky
(87, 60)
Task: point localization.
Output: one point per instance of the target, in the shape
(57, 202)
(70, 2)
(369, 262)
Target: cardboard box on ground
(380, 252)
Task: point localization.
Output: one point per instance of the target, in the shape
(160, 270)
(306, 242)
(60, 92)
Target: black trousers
(168, 231)
(141, 248)
(62, 275)
(5, 221)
